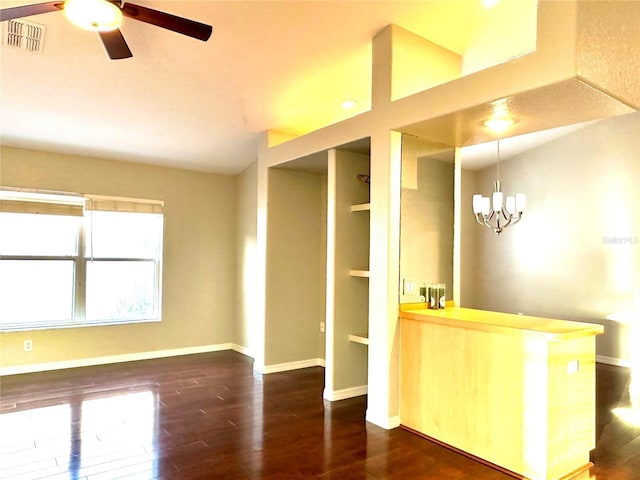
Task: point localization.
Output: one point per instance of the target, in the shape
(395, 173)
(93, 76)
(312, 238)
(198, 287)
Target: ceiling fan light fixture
(94, 15)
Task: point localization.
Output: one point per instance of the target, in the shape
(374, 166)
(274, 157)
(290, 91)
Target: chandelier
(498, 212)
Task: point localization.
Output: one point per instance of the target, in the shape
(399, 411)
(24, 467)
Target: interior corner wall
(246, 238)
(296, 267)
(576, 253)
(198, 261)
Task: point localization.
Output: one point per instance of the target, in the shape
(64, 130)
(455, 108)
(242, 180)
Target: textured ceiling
(179, 102)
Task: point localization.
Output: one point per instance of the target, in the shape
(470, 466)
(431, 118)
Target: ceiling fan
(105, 17)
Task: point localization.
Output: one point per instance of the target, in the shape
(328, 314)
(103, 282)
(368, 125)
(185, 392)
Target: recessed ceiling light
(500, 119)
(499, 124)
(348, 104)
(490, 3)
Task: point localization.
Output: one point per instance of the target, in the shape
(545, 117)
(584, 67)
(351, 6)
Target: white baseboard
(335, 395)
(618, 362)
(285, 367)
(243, 350)
(127, 357)
(388, 423)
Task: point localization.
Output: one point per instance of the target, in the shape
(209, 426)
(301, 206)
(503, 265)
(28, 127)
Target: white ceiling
(282, 65)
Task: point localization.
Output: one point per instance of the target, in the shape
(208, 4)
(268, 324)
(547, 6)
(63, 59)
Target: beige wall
(562, 259)
(296, 275)
(246, 229)
(468, 245)
(199, 252)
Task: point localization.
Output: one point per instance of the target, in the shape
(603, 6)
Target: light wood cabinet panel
(518, 395)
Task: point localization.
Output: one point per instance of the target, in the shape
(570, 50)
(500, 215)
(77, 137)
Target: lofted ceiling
(269, 65)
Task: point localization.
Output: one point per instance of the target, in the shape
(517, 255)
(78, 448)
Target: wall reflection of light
(631, 414)
(618, 227)
(534, 407)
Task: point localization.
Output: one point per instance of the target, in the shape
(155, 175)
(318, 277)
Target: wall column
(384, 267)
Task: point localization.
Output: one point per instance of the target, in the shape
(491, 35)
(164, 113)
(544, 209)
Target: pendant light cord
(498, 164)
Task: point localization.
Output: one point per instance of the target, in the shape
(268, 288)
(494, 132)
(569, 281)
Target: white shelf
(357, 338)
(361, 207)
(359, 273)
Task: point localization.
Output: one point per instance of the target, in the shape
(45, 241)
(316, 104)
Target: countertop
(505, 323)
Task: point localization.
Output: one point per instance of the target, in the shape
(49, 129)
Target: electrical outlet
(321, 327)
(573, 367)
(27, 345)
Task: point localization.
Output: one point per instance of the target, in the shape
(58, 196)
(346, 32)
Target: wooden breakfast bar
(514, 391)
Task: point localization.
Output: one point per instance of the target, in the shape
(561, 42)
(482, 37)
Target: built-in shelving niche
(345, 215)
(348, 230)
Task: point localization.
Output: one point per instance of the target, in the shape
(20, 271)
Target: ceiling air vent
(25, 35)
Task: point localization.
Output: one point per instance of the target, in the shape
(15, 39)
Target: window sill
(59, 326)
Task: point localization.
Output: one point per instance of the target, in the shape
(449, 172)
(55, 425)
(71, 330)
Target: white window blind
(130, 205)
(12, 201)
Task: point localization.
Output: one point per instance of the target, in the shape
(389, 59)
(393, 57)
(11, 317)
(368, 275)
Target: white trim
(388, 423)
(285, 367)
(334, 395)
(618, 362)
(243, 350)
(127, 357)
(258, 367)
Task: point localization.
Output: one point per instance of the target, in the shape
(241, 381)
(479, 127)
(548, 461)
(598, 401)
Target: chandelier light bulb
(486, 206)
(497, 201)
(511, 204)
(477, 204)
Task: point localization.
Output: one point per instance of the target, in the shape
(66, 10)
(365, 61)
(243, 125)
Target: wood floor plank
(209, 416)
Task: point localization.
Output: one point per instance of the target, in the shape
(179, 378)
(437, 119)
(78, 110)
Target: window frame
(80, 261)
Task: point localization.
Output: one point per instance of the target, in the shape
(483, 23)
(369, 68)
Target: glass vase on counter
(436, 296)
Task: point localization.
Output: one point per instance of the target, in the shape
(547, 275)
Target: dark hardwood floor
(209, 417)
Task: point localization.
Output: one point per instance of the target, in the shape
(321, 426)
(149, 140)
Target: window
(123, 254)
(74, 260)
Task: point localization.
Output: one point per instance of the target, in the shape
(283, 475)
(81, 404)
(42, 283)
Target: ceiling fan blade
(115, 45)
(174, 23)
(28, 10)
